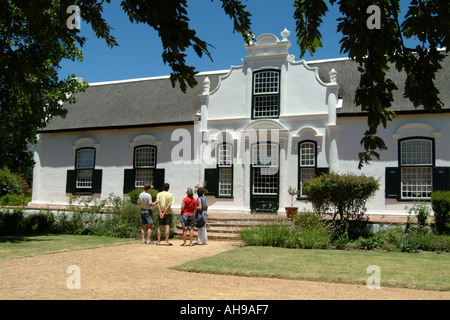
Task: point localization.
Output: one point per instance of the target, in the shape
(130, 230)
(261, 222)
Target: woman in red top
(188, 207)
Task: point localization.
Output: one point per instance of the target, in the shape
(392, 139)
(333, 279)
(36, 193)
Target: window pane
(266, 82)
(145, 157)
(265, 183)
(305, 175)
(225, 182)
(416, 152)
(307, 154)
(266, 106)
(265, 155)
(225, 156)
(417, 183)
(144, 176)
(84, 178)
(85, 159)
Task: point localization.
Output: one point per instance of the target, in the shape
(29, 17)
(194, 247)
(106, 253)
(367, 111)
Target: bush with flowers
(14, 189)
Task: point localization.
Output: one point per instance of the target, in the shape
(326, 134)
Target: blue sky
(139, 52)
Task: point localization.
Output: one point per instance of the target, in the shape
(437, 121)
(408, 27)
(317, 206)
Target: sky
(139, 52)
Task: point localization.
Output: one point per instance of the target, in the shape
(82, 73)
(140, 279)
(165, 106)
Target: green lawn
(25, 246)
(427, 271)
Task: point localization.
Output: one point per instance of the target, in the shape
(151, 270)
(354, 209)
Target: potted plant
(290, 211)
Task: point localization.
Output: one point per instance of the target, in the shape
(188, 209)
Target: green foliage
(342, 195)
(307, 231)
(113, 217)
(14, 189)
(10, 183)
(16, 223)
(419, 212)
(134, 195)
(402, 239)
(440, 201)
(378, 50)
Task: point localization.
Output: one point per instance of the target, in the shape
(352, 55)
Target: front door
(264, 171)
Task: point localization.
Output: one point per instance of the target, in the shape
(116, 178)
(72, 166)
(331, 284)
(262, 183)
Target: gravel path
(136, 271)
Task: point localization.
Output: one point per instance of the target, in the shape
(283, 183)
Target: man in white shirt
(146, 204)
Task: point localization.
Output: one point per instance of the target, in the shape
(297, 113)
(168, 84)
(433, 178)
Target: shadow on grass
(24, 238)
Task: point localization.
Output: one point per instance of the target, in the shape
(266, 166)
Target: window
(265, 169)
(84, 179)
(416, 162)
(416, 175)
(219, 180)
(85, 161)
(144, 170)
(307, 163)
(224, 164)
(266, 94)
(144, 163)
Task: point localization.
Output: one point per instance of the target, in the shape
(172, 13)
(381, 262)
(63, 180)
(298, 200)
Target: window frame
(276, 94)
(79, 170)
(300, 166)
(150, 168)
(223, 166)
(402, 166)
(257, 168)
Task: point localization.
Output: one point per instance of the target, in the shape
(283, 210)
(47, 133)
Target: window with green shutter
(416, 176)
(85, 179)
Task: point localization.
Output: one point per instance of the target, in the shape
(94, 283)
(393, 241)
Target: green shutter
(159, 176)
(392, 188)
(97, 181)
(71, 181)
(441, 178)
(212, 181)
(321, 171)
(129, 182)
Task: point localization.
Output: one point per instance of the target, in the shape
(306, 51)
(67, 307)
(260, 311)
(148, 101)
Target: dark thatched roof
(154, 102)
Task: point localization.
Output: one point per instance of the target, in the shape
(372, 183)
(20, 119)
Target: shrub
(421, 212)
(307, 231)
(134, 195)
(440, 202)
(11, 183)
(344, 196)
(15, 200)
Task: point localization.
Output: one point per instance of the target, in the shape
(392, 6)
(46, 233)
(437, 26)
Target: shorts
(166, 220)
(146, 216)
(187, 221)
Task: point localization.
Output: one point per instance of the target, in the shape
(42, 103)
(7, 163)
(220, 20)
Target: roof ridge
(102, 83)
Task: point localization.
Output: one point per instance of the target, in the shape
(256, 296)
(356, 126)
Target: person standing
(165, 200)
(188, 207)
(201, 213)
(146, 204)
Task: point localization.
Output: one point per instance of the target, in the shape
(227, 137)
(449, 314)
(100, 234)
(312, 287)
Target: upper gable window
(266, 94)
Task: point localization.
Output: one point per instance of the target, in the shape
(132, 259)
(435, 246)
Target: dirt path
(137, 271)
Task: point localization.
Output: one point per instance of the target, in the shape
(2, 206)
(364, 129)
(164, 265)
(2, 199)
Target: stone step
(228, 226)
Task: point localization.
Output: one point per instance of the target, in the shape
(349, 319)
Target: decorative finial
(206, 86)
(285, 34)
(333, 75)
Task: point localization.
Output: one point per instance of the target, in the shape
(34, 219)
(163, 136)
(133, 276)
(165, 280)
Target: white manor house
(249, 132)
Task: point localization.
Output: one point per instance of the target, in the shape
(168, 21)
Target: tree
(374, 48)
(36, 35)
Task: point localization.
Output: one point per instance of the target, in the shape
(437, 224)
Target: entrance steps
(221, 226)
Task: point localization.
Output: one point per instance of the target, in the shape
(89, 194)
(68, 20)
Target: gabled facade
(249, 132)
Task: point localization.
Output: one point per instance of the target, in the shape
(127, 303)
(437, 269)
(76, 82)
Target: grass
(12, 247)
(427, 271)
